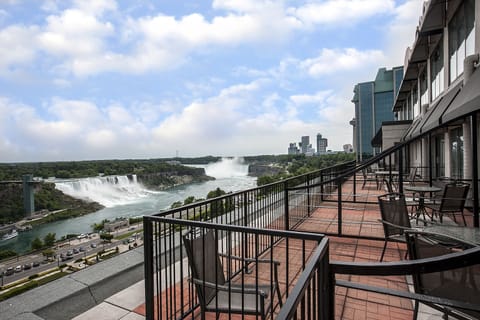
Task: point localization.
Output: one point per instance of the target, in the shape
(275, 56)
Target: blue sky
(106, 79)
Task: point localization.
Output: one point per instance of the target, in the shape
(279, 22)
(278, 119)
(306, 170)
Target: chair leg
(464, 221)
(383, 251)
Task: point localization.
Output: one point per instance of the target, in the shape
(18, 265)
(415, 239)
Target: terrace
(323, 233)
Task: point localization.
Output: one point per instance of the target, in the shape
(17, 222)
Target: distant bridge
(28, 195)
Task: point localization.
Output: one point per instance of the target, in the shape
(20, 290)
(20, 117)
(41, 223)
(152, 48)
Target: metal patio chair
(452, 201)
(369, 177)
(218, 294)
(460, 284)
(395, 218)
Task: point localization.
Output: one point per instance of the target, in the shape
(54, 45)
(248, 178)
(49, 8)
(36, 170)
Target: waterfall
(227, 168)
(109, 191)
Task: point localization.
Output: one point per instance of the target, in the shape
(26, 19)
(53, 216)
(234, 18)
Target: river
(130, 199)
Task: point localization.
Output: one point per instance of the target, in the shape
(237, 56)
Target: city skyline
(86, 80)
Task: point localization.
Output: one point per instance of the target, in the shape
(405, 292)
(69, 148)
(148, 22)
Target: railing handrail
(449, 261)
(235, 228)
(357, 168)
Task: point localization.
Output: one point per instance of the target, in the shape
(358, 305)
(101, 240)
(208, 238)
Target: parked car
(75, 251)
(69, 253)
(18, 268)
(81, 249)
(93, 245)
(27, 266)
(35, 264)
(9, 271)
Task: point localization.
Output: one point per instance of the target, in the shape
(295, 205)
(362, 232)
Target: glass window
(416, 107)
(423, 89)
(436, 65)
(439, 161)
(456, 136)
(461, 37)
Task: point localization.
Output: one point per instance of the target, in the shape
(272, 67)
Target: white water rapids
(112, 191)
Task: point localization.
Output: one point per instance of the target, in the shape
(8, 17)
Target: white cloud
(338, 60)
(406, 17)
(317, 98)
(16, 46)
(341, 12)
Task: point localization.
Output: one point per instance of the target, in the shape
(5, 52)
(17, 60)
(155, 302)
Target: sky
(121, 79)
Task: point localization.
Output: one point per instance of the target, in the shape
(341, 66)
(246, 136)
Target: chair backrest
(204, 261)
(393, 209)
(461, 284)
(454, 197)
(411, 175)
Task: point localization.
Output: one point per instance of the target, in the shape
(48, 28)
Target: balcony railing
(262, 224)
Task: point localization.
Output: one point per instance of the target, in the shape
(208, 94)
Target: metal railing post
(430, 162)
(473, 125)
(148, 267)
(400, 170)
(339, 203)
(285, 195)
(308, 196)
(321, 186)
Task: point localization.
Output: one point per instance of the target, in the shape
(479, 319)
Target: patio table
(463, 234)
(421, 190)
(383, 175)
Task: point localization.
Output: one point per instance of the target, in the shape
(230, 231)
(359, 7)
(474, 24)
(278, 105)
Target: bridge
(28, 194)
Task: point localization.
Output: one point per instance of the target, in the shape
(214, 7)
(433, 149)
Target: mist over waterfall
(109, 191)
(227, 168)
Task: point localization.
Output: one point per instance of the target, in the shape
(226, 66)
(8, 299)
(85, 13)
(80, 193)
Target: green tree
(215, 193)
(37, 244)
(176, 204)
(189, 200)
(48, 253)
(49, 240)
(107, 237)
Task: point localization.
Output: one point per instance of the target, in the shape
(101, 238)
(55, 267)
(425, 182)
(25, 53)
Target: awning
(467, 101)
(433, 19)
(408, 135)
(436, 118)
(418, 130)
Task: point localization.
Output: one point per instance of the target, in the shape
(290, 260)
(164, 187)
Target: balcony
(322, 232)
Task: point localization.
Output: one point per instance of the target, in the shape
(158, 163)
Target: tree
(37, 244)
(48, 253)
(107, 237)
(49, 240)
(215, 193)
(176, 204)
(189, 200)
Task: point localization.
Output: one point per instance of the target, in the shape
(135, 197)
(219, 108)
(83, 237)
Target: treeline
(302, 164)
(82, 169)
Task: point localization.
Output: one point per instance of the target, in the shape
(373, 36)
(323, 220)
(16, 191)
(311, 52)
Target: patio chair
(452, 201)
(395, 219)
(461, 284)
(368, 177)
(410, 178)
(218, 294)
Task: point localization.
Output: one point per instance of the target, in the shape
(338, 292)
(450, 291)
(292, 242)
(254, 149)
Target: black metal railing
(174, 287)
(267, 215)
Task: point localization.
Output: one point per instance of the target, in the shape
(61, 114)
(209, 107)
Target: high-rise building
(304, 144)
(373, 104)
(293, 149)
(322, 144)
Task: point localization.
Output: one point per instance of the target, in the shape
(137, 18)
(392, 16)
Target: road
(79, 248)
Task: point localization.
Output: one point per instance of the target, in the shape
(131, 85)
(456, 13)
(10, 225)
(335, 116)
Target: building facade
(293, 149)
(322, 144)
(373, 105)
(440, 91)
(305, 144)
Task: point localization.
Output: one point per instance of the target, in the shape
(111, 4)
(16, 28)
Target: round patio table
(421, 190)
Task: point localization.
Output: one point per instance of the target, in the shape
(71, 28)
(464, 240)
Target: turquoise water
(230, 174)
